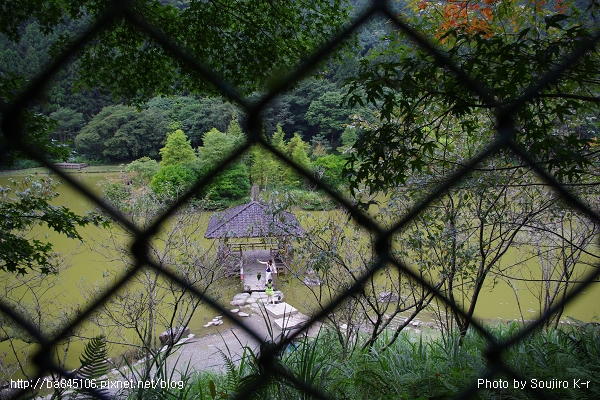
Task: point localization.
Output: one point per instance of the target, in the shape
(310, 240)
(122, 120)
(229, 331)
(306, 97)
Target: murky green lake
(85, 267)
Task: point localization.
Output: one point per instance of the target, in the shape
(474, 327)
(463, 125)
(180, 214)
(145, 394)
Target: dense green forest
(310, 122)
(313, 109)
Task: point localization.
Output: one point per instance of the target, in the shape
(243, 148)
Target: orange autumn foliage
(468, 17)
(475, 17)
(560, 6)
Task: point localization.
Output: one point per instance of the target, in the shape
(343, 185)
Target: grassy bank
(92, 169)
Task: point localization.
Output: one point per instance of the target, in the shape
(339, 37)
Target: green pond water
(84, 269)
(88, 268)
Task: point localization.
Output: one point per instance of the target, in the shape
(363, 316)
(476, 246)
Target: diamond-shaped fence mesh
(15, 134)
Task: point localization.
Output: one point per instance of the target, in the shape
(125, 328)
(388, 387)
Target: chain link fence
(16, 135)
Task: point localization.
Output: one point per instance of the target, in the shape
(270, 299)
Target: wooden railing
(65, 165)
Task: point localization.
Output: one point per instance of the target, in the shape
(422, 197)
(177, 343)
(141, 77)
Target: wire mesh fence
(15, 134)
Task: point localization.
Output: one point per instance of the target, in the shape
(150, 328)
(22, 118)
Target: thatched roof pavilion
(253, 220)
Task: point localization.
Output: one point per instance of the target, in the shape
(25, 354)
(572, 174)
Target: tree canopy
(506, 46)
(172, 180)
(217, 146)
(123, 133)
(327, 113)
(125, 61)
(248, 44)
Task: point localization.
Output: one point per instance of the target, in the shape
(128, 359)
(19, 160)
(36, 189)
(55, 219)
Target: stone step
(280, 310)
(292, 322)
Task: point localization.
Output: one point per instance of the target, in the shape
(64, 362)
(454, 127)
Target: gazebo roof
(252, 220)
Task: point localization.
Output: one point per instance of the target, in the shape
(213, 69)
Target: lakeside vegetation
(559, 362)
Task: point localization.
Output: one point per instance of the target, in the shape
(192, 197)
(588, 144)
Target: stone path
(207, 352)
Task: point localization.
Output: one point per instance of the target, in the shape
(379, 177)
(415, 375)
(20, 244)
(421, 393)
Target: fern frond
(232, 375)
(93, 359)
(93, 364)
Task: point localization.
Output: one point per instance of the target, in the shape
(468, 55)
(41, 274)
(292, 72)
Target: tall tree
(296, 151)
(143, 169)
(69, 123)
(217, 146)
(278, 139)
(234, 181)
(198, 116)
(328, 114)
(234, 129)
(299, 100)
(172, 180)
(265, 168)
(177, 150)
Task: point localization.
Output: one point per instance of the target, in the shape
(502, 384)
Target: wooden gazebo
(253, 232)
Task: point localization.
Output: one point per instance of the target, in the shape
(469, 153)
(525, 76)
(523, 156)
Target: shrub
(306, 200)
(23, 163)
(417, 368)
(144, 168)
(231, 184)
(172, 180)
(332, 167)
